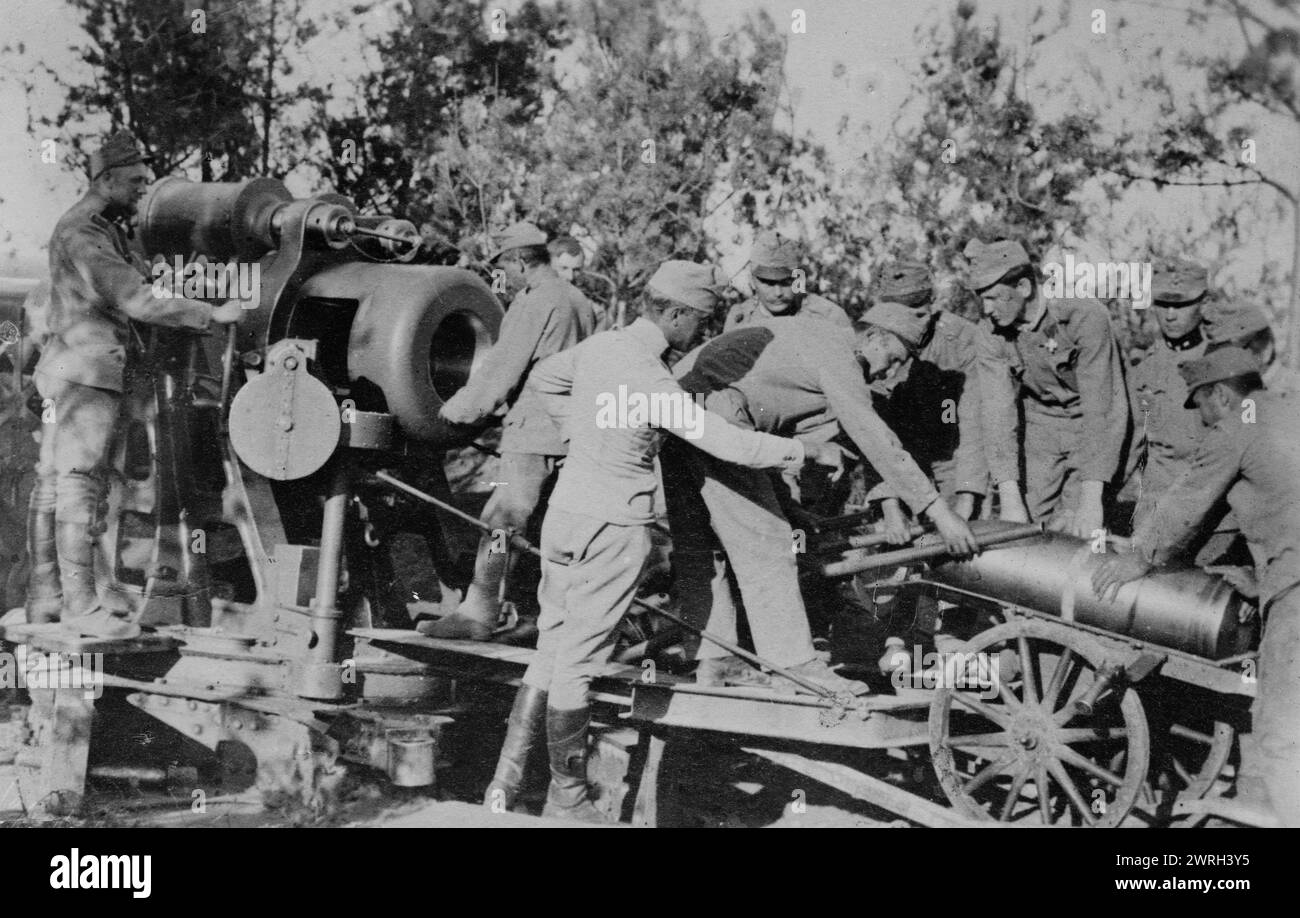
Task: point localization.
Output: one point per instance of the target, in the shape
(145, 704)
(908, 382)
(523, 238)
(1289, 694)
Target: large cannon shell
(1186, 610)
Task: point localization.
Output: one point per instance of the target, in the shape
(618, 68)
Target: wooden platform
(57, 638)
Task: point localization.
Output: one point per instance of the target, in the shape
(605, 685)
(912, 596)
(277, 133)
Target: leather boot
(566, 740)
(44, 588)
(76, 554)
(526, 725)
(476, 617)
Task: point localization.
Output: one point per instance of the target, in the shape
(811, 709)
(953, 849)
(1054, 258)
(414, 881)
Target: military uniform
(791, 376)
(933, 405)
(1065, 370)
(546, 317)
(97, 287)
(1166, 435)
(1256, 466)
(810, 305)
(595, 538)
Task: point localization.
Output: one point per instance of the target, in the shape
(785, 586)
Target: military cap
(1227, 322)
(774, 257)
(687, 283)
(518, 236)
(1178, 283)
(909, 323)
(991, 262)
(906, 282)
(1216, 366)
(118, 149)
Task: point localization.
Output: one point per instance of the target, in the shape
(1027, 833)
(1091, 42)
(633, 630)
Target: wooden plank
(872, 790)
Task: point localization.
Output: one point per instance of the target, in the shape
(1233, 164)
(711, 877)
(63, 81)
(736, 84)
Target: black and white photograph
(651, 414)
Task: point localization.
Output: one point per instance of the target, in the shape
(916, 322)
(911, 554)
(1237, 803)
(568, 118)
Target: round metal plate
(284, 425)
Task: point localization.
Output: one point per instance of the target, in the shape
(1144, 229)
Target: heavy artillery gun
(338, 369)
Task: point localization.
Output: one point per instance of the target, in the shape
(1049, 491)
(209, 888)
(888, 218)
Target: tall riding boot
(527, 723)
(44, 589)
(76, 556)
(476, 617)
(566, 739)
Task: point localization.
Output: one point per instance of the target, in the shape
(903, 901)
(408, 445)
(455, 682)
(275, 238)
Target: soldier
(932, 402)
(1249, 457)
(1058, 359)
(97, 289)
(777, 292)
(547, 316)
(791, 376)
(1246, 326)
(567, 257)
(595, 538)
(1166, 434)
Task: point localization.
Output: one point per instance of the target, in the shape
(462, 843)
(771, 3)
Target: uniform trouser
(76, 444)
(1052, 481)
(590, 571)
(78, 427)
(1275, 739)
(522, 480)
(740, 509)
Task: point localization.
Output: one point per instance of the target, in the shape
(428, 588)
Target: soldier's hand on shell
(1116, 571)
(956, 534)
(1061, 521)
(1241, 578)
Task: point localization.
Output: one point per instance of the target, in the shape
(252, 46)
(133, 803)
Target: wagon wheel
(1017, 750)
(1188, 756)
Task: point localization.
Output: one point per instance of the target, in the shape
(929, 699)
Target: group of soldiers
(1027, 414)
(1031, 414)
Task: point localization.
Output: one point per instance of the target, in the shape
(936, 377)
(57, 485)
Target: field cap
(117, 150)
(1178, 283)
(991, 262)
(687, 283)
(1228, 322)
(909, 323)
(906, 282)
(774, 257)
(1216, 366)
(517, 236)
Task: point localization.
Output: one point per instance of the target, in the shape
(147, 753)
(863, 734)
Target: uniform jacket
(1256, 465)
(812, 306)
(96, 287)
(1165, 433)
(548, 316)
(609, 473)
(799, 377)
(1067, 369)
(936, 387)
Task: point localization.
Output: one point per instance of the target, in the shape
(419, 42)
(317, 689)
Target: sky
(854, 60)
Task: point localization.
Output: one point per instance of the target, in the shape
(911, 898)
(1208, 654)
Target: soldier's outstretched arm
(120, 283)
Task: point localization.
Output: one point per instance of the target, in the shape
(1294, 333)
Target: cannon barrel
(1187, 610)
(391, 338)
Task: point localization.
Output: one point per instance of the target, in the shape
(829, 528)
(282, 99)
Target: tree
(206, 87)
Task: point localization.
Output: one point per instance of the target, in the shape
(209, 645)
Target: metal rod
(520, 542)
(362, 231)
(925, 552)
(325, 618)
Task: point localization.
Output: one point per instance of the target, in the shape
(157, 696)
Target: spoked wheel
(1008, 743)
(1193, 744)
